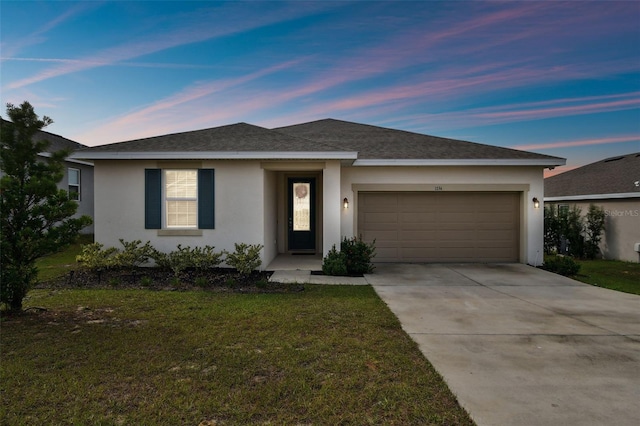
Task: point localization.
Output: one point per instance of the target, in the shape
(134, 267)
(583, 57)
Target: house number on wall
(437, 188)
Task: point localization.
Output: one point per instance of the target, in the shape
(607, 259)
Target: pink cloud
(188, 106)
(558, 170)
(582, 142)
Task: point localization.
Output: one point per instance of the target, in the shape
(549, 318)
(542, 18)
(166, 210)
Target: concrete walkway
(521, 346)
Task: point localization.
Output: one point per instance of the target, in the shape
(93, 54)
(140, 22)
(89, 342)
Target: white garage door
(441, 226)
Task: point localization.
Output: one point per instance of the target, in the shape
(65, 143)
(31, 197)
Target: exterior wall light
(345, 203)
(536, 203)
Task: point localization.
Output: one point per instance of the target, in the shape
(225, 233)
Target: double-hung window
(73, 177)
(179, 199)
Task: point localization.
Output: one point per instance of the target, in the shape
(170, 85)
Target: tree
(593, 229)
(36, 216)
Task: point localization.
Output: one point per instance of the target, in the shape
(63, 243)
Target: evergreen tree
(36, 216)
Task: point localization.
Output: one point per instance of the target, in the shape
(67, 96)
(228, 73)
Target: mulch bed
(217, 279)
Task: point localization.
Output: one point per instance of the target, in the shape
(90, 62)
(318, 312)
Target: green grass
(611, 274)
(327, 355)
(60, 263)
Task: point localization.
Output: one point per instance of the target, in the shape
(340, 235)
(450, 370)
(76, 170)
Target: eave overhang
(462, 162)
(218, 155)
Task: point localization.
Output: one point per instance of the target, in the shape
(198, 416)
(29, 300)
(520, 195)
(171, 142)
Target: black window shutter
(152, 198)
(206, 199)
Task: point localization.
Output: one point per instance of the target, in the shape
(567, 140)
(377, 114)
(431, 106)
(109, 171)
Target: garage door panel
(381, 217)
(419, 217)
(440, 226)
(390, 235)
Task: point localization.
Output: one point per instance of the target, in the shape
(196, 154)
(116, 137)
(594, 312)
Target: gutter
(217, 155)
(593, 197)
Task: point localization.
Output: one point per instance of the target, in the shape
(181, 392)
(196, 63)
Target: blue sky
(560, 78)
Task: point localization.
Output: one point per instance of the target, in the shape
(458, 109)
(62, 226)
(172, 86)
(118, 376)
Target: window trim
(78, 185)
(166, 199)
(154, 195)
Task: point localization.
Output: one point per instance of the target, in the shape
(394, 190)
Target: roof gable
(614, 175)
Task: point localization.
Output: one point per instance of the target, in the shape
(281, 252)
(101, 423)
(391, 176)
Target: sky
(557, 78)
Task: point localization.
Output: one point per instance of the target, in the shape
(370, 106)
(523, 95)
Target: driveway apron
(521, 346)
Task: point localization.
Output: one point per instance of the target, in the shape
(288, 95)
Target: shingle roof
(229, 138)
(56, 142)
(324, 136)
(615, 175)
(374, 142)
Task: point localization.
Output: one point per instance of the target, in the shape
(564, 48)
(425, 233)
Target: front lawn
(612, 274)
(58, 264)
(324, 355)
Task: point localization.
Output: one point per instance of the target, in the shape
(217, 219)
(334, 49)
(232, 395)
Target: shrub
(95, 258)
(203, 258)
(178, 260)
(133, 255)
(562, 265)
(593, 230)
(358, 255)
(198, 258)
(334, 263)
(354, 258)
(245, 258)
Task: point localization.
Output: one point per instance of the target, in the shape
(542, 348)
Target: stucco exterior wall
(622, 226)
(333, 213)
(85, 205)
(239, 204)
(270, 226)
(526, 180)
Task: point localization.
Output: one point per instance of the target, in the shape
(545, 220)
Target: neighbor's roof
(323, 139)
(56, 142)
(615, 177)
(375, 143)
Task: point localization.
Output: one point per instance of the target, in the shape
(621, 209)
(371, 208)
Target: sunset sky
(559, 78)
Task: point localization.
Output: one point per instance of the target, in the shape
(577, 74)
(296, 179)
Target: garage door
(441, 226)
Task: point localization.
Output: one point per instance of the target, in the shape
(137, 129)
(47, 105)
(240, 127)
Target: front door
(302, 214)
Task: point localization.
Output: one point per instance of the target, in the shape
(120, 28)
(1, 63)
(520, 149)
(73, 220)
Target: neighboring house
(613, 184)
(300, 189)
(78, 174)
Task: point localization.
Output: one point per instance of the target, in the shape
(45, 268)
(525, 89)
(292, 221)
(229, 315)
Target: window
(179, 199)
(74, 184)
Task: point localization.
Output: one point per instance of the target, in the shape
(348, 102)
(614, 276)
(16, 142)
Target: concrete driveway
(521, 346)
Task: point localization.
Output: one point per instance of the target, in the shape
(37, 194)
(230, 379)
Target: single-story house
(78, 174)
(300, 189)
(614, 185)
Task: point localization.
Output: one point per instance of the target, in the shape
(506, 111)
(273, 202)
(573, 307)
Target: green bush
(95, 258)
(334, 263)
(562, 265)
(245, 258)
(198, 258)
(203, 258)
(133, 255)
(354, 258)
(358, 255)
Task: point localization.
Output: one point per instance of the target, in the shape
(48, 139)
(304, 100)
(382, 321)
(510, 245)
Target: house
(78, 174)
(613, 184)
(300, 189)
